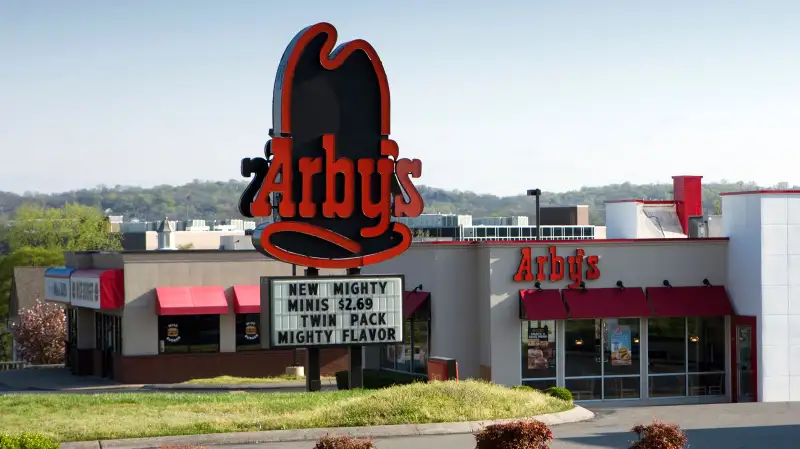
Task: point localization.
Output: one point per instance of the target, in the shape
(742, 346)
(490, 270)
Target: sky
(493, 96)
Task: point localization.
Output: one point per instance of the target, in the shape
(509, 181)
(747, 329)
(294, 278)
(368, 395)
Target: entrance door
(744, 361)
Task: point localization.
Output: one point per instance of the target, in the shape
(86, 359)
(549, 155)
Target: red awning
(690, 301)
(541, 305)
(625, 302)
(413, 301)
(191, 301)
(247, 299)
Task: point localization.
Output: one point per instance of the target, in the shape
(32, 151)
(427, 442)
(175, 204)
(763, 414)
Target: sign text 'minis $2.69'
(331, 178)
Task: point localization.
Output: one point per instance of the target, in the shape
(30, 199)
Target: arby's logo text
(553, 267)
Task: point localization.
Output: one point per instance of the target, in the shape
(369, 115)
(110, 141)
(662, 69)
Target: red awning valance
(413, 301)
(247, 299)
(541, 305)
(625, 302)
(191, 301)
(690, 301)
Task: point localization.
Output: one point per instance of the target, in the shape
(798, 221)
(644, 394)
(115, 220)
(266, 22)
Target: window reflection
(706, 344)
(582, 348)
(666, 348)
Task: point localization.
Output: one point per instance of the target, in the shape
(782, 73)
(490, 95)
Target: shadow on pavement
(773, 437)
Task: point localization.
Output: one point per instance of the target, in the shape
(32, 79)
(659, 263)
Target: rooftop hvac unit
(697, 227)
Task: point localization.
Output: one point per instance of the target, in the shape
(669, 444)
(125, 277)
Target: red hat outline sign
(331, 177)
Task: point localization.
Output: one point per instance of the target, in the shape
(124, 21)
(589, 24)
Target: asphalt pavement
(728, 426)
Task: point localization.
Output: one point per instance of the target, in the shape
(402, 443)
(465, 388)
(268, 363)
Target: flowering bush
(514, 435)
(343, 442)
(659, 435)
(40, 334)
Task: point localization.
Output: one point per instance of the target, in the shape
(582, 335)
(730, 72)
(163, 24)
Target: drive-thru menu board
(333, 311)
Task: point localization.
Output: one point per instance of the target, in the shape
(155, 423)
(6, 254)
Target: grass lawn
(230, 380)
(79, 417)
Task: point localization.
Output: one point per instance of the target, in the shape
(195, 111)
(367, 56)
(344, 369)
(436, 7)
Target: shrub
(26, 441)
(40, 334)
(559, 393)
(659, 435)
(375, 379)
(514, 435)
(523, 388)
(344, 442)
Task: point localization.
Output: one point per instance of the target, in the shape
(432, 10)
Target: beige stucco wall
(144, 271)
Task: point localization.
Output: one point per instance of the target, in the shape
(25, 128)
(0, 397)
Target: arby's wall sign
(331, 176)
(553, 267)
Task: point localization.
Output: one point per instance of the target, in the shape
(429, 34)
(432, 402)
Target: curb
(576, 414)
(226, 387)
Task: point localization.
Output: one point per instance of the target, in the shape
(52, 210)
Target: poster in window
(173, 333)
(250, 330)
(539, 351)
(621, 346)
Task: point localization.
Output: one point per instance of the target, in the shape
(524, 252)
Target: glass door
(744, 361)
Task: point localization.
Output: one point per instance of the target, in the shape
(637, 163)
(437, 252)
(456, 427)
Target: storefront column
(644, 342)
(561, 352)
(227, 332)
(84, 354)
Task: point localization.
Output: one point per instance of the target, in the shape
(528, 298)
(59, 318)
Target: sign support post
(355, 377)
(313, 382)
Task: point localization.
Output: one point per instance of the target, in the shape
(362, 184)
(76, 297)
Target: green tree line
(217, 200)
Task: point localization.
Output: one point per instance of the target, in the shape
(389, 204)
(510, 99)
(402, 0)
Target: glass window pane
(206, 333)
(538, 349)
(421, 346)
(666, 345)
(667, 386)
(706, 344)
(621, 346)
(248, 335)
(403, 351)
(584, 389)
(582, 348)
(621, 387)
(540, 385)
(707, 384)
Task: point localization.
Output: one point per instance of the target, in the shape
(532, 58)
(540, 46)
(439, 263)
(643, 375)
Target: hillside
(218, 200)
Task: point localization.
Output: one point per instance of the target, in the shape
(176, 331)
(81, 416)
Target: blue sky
(494, 97)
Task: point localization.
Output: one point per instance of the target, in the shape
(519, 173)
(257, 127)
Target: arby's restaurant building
(667, 319)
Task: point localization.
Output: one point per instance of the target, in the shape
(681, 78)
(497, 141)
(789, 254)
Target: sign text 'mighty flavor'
(554, 268)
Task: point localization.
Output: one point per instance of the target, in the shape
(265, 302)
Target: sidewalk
(577, 414)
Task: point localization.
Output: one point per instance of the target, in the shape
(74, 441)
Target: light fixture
(694, 338)
(583, 286)
(667, 284)
(636, 339)
(417, 288)
(538, 286)
(706, 283)
(619, 285)
(578, 342)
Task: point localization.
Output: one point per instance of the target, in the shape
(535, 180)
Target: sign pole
(313, 382)
(356, 354)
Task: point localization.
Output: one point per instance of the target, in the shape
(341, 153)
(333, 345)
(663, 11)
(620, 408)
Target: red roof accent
(569, 243)
(761, 192)
(541, 305)
(690, 301)
(625, 302)
(653, 202)
(191, 301)
(413, 301)
(112, 286)
(247, 299)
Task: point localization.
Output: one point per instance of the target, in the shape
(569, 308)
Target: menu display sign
(620, 339)
(539, 351)
(333, 311)
(57, 289)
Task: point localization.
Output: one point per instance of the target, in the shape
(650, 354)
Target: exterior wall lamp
(538, 286)
(707, 283)
(667, 284)
(620, 285)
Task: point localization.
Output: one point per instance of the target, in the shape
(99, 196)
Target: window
(412, 355)
(248, 331)
(602, 358)
(686, 356)
(539, 345)
(72, 327)
(188, 333)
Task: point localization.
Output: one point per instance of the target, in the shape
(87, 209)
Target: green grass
(78, 417)
(230, 380)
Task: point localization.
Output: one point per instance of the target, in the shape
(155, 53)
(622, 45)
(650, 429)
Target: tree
(71, 228)
(185, 246)
(40, 334)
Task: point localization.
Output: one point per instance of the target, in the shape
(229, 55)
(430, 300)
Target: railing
(13, 366)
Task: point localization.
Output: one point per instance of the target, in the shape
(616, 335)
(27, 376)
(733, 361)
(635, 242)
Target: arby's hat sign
(331, 176)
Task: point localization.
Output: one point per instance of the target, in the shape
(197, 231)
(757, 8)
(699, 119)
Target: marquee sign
(333, 311)
(57, 284)
(331, 176)
(552, 267)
